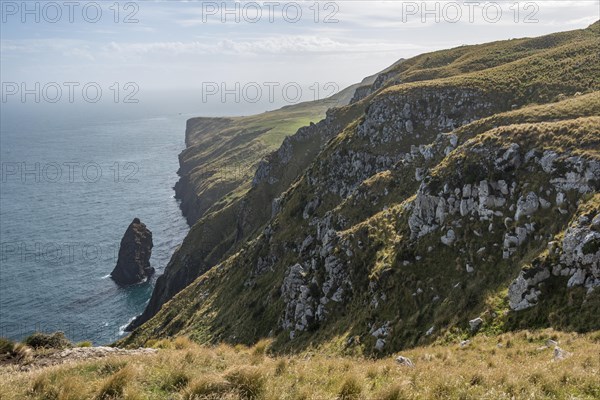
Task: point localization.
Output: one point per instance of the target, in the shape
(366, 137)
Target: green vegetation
(55, 340)
(6, 346)
(385, 232)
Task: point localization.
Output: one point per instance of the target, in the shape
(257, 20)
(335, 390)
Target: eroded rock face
(577, 257)
(307, 289)
(299, 312)
(133, 265)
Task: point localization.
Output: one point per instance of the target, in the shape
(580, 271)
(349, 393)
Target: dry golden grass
(510, 366)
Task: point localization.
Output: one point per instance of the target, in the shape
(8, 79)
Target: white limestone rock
(527, 205)
(475, 324)
(405, 361)
(449, 238)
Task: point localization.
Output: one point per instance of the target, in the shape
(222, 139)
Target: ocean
(68, 193)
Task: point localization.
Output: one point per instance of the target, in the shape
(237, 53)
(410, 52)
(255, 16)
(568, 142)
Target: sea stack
(133, 265)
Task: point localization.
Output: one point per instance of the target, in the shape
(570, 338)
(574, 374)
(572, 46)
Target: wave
(122, 327)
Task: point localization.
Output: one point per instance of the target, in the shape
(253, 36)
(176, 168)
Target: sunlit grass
(515, 365)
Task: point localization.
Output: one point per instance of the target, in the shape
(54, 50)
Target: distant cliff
(222, 154)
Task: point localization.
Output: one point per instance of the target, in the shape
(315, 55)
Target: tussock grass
(114, 386)
(248, 381)
(351, 388)
(489, 368)
(6, 346)
(394, 392)
(11, 351)
(207, 387)
(174, 380)
(56, 340)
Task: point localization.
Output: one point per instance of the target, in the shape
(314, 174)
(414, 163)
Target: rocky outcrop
(475, 324)
(575, 258)
(307, 292)
(133, 264)
(522, 293)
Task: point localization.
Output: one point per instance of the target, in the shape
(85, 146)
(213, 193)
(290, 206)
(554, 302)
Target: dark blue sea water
(68, 192)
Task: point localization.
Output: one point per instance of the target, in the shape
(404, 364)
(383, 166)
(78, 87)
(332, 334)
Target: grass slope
(231, 302)
(507, 366)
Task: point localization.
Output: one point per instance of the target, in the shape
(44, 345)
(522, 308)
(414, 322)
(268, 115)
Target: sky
(219, 58)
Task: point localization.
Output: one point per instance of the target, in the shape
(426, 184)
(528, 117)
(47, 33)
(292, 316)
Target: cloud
(38, 46)
(275, 45)
(168, 45)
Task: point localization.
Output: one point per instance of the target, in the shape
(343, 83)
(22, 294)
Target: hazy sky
(182, 46)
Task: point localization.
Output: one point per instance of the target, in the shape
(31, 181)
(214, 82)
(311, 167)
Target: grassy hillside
(506, 366)
(356, 249)
(385, 236)
(554, 66)
(216, 173)
(478, 58)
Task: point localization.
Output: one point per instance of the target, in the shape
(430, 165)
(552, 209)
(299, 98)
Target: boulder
(560, 354)
(448, 238)
(527, 205)
(475, 324)
(133, 264)
(407, 362)
(596, 221)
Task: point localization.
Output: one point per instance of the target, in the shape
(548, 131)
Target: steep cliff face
(220, 165)
(428, 202)
(228, 224)
(201, 184)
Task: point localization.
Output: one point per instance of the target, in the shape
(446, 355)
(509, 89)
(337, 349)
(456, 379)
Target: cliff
(217, 170)
(221, 154)
(461, 185)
